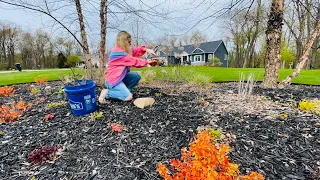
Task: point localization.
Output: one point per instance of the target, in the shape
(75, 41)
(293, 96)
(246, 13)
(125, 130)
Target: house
(190, 54)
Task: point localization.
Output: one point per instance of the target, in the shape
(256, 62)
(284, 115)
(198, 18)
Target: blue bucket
(82, 97)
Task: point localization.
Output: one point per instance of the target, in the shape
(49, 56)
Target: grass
(308, 77)
(28, 76)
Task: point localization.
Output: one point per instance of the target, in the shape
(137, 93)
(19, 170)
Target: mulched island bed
(91, 149)
(276, 148)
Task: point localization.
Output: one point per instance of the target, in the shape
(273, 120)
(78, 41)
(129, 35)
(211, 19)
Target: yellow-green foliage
(306, 105)
(215, 133)
(284, 116)
(35, 91)
(96, 115)
(200, 79)
(1, 133)
(53, 105)
(158, 94)
(33, 178)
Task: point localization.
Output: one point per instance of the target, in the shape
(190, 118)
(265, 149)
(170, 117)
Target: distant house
(190, 54)
(95, 61)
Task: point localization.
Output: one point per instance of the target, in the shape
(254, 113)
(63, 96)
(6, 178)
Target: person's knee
(137, 77)
(129, 98)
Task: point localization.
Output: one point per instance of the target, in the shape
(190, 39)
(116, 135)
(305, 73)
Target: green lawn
(28, 76)
(310, 77)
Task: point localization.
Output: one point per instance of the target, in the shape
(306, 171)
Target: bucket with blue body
(82, 97)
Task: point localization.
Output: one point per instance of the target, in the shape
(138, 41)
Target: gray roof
(210, 46)
(207, 47)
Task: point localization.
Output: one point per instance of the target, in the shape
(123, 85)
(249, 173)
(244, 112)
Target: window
(225, 57)
(210, 56)
(198, 58)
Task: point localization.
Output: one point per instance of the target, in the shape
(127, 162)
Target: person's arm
(139, 51)
(134, 61)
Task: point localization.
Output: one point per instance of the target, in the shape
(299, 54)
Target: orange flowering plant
(6, 91)
(204, 161)
(42, 80)
(8, 114)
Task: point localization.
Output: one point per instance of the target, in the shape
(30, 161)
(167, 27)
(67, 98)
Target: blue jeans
(123, 90)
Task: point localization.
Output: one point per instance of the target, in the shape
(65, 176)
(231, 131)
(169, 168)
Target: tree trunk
(299, 50)
(308, 8)
(314, 53)
(273, 39)
(304, 58)
(103, 21)
(85, 46)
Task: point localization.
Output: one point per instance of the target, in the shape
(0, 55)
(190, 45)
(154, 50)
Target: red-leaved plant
(40, 100)
(204, 161)
(45, 153)
(117, 127)
(48, 116)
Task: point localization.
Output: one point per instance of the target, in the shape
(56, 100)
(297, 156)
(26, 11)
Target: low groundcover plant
(204, 161)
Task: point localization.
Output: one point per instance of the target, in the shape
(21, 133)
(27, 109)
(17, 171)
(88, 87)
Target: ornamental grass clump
(204, 161)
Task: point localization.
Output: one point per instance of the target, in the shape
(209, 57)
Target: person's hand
(153, 63)
(150, 51)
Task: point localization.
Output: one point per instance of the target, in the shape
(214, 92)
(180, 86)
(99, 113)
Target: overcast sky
(183, 16)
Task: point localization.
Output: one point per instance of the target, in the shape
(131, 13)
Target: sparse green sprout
(96, 115)
(215, 133)
(35, 91)
(265, 98)
(284, 116)
(33, 178)
(158, 94)
(53, 105)
(1, 133)
(291, 96)
(60, 90)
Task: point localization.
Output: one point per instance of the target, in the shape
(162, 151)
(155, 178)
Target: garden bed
(275, 147)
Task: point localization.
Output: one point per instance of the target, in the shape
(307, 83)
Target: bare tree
(185, 39)
(252, 35)
(42, 41)
(304, 57)
(197, 38)
(8, 44)
(26, 47)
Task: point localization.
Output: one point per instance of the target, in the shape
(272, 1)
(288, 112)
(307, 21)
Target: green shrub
(73, 60)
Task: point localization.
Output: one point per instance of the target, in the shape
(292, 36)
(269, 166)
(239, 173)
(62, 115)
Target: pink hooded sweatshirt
(120, 62)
